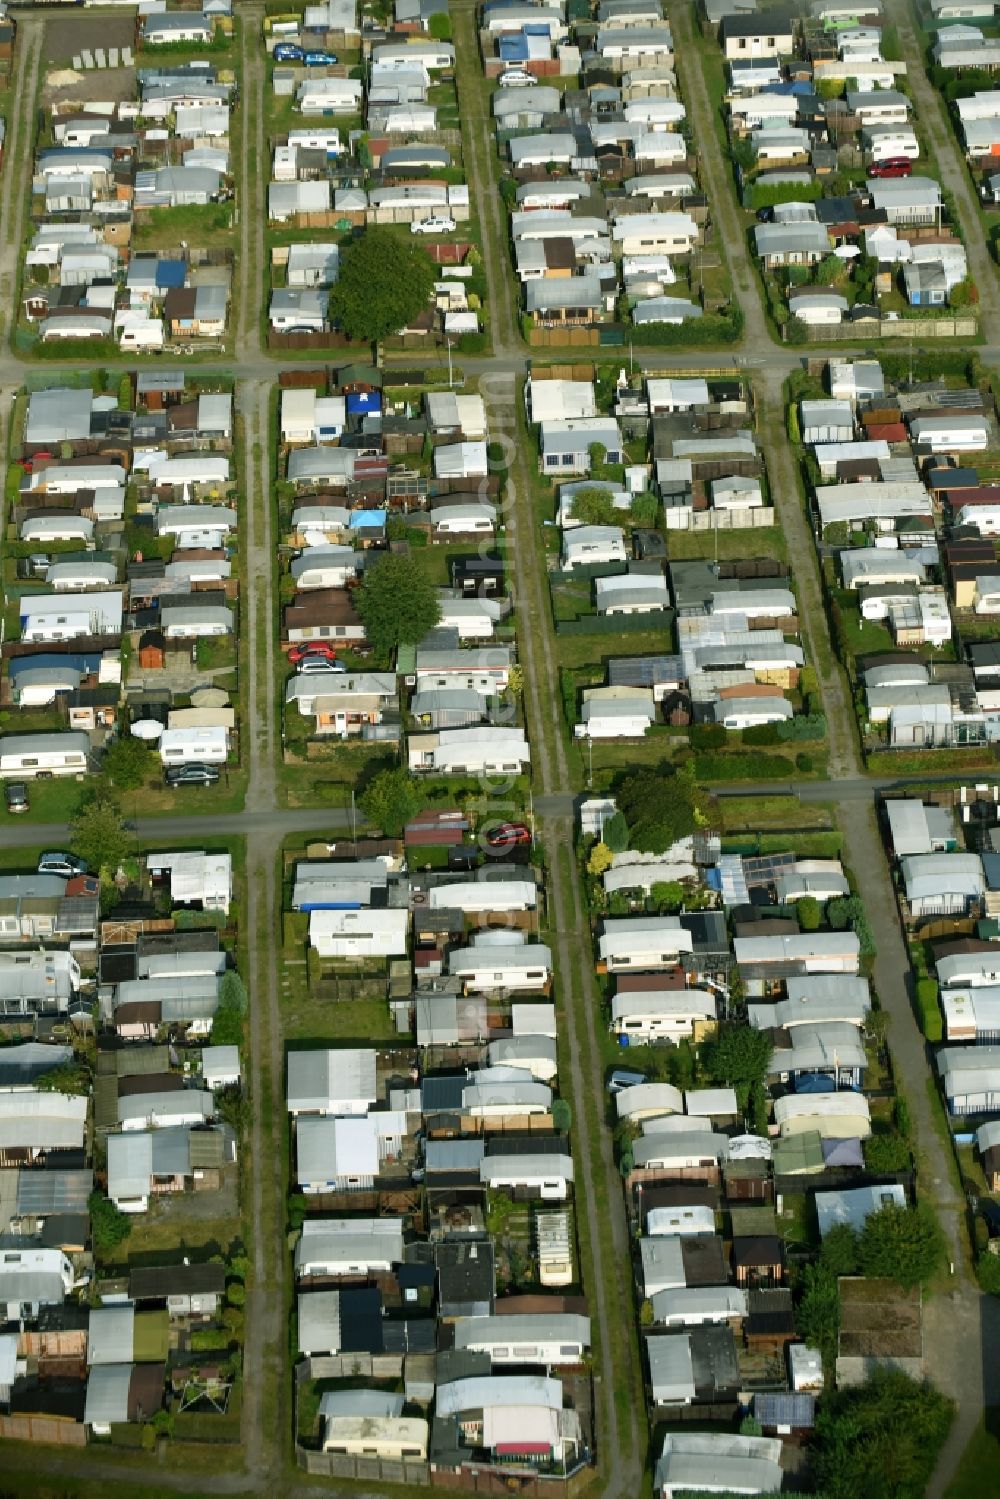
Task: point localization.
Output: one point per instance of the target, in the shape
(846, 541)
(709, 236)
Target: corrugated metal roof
(41, 1193)
(107, 1394)
(110, 1335)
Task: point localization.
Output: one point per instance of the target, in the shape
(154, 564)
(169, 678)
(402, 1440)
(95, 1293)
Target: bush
(741, 768)
(988, 1273)
(708, 736)
(802, 726)
(928, 1010)
(803, 762)
(761, 733)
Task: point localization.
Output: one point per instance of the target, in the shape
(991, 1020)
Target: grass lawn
(737, 813)
(767, 541)
(187, 1223)
(980, 1464)
(327, 781)
(594, 650)
(201, 225)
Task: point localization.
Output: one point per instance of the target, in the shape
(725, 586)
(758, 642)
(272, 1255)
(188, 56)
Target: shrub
(803, 762)
(988, 1273)
(708, 736)
(761, 733)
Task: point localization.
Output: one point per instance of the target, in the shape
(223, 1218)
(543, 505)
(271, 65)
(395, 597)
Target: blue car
(288, 52)
(320, 59)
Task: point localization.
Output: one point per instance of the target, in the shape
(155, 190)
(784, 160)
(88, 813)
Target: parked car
(508, 835)
(311, 665)
(288, 52)
(195, 773)
(516, 78)
(764, 215)
(437, 224)
(319, 59)
(893, 166)
(15, 794)
(299, 653)
(622, 1078)
(57, 862)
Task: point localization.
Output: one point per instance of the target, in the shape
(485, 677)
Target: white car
(312, 665)
(517, 78)
(433, 225)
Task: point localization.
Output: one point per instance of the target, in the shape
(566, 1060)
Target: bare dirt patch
(66, 37)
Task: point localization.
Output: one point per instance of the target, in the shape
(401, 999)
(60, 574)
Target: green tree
(839, 1253)
(99, 835)
(109, 1226)
(592, 505)
(829, 270)
(659, 808)
(129, 763)
(739, 1056)
(391, 799)
(645, 508)
(887, 1153)
(880, 1440)
(72, 1078)
(818, 1315)
(383, 283)
(616, 833)
(809, 912)
(227, 1022)
(988, 1273)
(667, 895)
(901, 1243)
(397, 602)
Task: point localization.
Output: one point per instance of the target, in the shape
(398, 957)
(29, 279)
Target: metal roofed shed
(58, 415)
(110, 1335)
(856, 1206)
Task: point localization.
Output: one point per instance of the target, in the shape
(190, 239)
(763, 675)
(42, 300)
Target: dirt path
(252, 177)
(783, 478)
(265, 1384)
(16, 172)
(717, 180)
(932, 114)
(480, 170)
(619, 1409)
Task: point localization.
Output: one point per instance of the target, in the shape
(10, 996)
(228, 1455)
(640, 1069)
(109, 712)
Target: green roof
(151, 1337)
(206, 1148)
(143, 1061)
(798, 1155)
(752, 1220)
(106, 1101)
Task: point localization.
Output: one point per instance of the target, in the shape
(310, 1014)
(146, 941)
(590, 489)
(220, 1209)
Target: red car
(311, 648)
(893, 166)
(508, 835)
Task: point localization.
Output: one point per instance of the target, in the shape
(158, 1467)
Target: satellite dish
(146, 728)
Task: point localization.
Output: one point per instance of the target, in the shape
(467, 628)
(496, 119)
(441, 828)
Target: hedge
(928, 1009)
(723, 767)
(803, 726)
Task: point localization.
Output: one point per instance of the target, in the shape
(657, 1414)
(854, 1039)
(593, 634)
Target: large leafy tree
(128, 763)
(818, 1315)
(397, 603)
(901, 1243)
(391, 799)
(99, 835)
(658, 807)
(839, 1253)
(880, 1440)
(384, 281)
(739, 1056)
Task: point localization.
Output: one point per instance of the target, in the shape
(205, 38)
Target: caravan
(179, 746)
